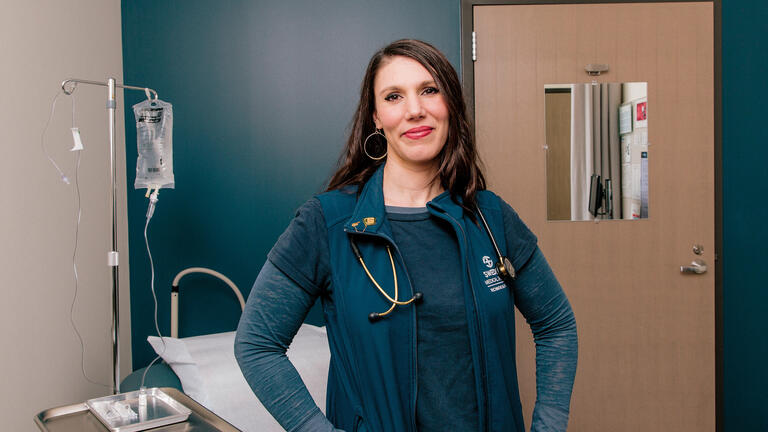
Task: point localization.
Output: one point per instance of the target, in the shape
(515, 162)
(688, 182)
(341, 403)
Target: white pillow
(209, 374)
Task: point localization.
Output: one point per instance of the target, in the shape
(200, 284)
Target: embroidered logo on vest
(492, 279)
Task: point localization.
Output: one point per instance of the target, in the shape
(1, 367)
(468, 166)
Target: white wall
(43, 42)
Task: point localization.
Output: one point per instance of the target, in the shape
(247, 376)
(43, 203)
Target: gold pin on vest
(367, 221)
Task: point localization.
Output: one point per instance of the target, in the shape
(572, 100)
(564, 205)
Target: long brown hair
(459, 169)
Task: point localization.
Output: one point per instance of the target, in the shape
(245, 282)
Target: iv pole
(112, 256)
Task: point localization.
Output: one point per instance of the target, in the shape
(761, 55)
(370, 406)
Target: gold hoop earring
(365, 145)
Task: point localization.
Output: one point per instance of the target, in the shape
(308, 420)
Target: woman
(406, 216)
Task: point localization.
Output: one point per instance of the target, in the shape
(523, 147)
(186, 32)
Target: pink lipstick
(418, 132)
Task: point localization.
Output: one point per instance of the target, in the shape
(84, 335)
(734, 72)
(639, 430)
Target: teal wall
(745, 215)
(263, 93)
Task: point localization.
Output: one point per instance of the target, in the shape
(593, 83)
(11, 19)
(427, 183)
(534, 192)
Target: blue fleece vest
(372, 378)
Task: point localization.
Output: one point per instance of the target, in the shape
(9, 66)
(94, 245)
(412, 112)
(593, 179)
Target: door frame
(468, 81)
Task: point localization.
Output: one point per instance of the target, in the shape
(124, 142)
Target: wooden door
(646, 331)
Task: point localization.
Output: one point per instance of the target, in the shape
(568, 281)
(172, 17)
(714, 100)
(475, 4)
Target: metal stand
(112, 256)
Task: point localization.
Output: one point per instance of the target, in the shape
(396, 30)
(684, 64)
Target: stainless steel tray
(145, 411)
(78, 418)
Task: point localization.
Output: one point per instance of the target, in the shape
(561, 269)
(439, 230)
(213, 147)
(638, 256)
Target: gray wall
(263, 93)
(43, 42)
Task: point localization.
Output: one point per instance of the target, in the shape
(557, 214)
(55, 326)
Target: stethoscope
(503, 266)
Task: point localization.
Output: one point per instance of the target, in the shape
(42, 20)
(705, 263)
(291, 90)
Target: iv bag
(154, 136)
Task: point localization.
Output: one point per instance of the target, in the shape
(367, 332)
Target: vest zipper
(484, 376)
(414, 350)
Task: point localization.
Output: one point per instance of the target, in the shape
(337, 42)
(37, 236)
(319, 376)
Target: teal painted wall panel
(745, 215)
(263, 93)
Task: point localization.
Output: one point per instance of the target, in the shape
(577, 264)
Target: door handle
(698, 266)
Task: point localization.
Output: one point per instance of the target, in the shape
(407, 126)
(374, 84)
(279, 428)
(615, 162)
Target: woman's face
(411, 111)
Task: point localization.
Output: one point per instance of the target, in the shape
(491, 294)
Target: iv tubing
(78, 218)
(45, 129)
(74, 268)
(150, 212)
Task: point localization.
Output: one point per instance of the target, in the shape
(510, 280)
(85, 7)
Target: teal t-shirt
(446, 398)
